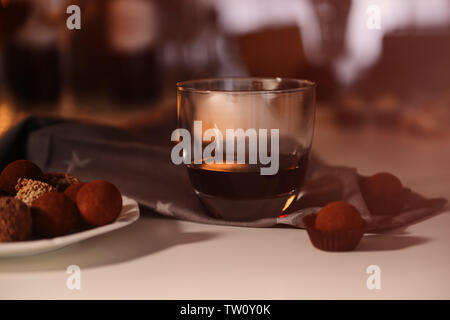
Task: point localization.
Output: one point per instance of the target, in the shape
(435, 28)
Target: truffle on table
(18, 169)
(337, 227)
(383, 193)
(338, 216)
(54, 215)
(15, 220)
(99, 202)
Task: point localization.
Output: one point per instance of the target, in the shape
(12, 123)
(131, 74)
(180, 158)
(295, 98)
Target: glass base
(246, 209)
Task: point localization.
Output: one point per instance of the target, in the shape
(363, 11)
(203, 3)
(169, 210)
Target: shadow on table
(150, 234)
(389, 242)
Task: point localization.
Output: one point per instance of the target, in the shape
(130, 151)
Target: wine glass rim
(188, 85)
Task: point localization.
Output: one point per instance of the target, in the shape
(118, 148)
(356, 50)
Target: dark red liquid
(243, 181)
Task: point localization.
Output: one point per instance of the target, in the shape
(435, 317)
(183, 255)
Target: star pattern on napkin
(164, 208)
(76, 162)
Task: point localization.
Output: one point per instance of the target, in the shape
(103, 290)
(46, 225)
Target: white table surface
(167, 259)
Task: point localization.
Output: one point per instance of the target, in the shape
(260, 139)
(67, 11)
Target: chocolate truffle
(18, 169)
(337, 227)
(54, 215)
(61, 181)
(15, 220)
(99, 202)
(72, 191)
(29, 190)
(338, 216)
(383, 193)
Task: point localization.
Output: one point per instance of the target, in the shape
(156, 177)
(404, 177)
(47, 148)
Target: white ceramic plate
(129, 214)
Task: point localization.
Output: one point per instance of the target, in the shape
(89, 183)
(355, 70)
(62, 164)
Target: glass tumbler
(245, 143)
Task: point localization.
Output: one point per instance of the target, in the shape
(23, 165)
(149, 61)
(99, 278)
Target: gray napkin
(145, 173)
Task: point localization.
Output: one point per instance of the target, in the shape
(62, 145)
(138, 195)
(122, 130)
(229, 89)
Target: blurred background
(120, 68)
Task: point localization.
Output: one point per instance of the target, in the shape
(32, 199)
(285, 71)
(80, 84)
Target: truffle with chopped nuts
(29, 190)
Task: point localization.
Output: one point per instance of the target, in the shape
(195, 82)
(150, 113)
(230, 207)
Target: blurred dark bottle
(134, 76)
(87, 47)
(333, 17)
(12, 17)
(32, 59)
(193, 44)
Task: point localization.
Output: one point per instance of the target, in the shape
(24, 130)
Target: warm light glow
(224, 167)
(6, 116)
(4, 3)
(288, 202)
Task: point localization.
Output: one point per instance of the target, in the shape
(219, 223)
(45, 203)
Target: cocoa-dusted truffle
(18, 169)
(15, 220)
(337, 227)
(29, 190)
(99, 202)
(61, 181)
(54, 215)
(338, 216)
(383, 193)
(72, 191)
